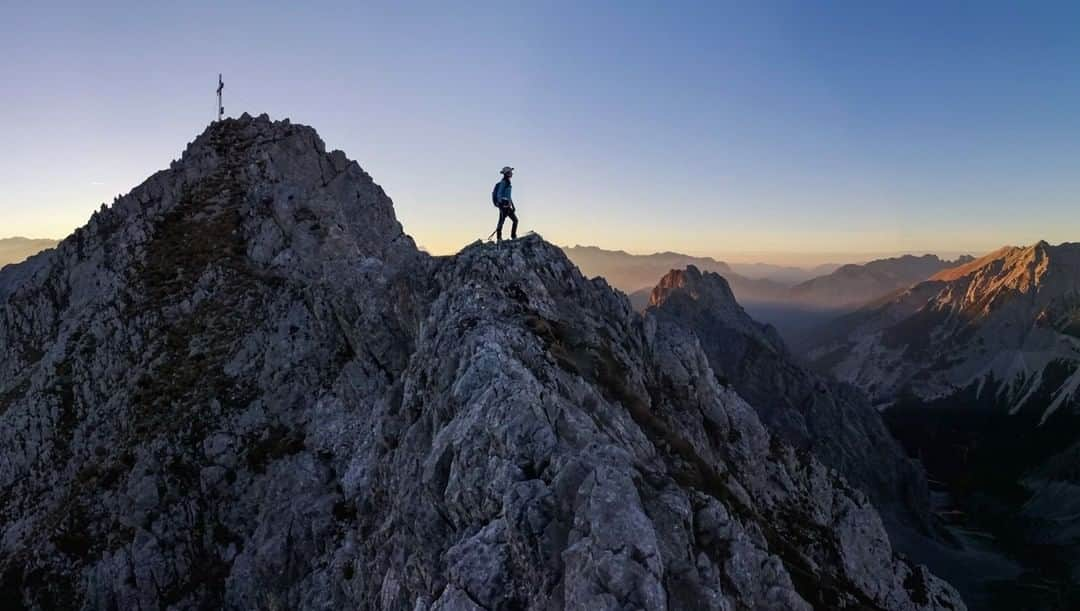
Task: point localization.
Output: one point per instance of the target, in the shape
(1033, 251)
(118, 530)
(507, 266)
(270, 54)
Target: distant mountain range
(14, 250)
(851, 286)
(794, 310)
(630, 273)
(979, 369)
(638, 273)
(1000, 324)
(784, 274)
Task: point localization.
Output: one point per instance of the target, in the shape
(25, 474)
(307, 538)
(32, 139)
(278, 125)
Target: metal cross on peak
(220, 108)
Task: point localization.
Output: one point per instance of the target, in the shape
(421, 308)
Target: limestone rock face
(242, 386)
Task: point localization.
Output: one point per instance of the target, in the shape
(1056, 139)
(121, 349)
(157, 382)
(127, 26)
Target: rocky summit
(242, 386)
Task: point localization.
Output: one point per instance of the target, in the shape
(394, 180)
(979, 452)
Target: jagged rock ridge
(243, 386)
(811, 412)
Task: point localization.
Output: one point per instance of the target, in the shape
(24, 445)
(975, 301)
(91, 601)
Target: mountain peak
(690, 294)
(709, 287)
(1018, 269)
(245, 372)
(267, 188)
(249, 135)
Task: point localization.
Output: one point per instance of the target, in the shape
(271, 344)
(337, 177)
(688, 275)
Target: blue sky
(786, 131)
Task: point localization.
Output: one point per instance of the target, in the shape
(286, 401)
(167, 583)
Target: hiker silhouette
(500, 196)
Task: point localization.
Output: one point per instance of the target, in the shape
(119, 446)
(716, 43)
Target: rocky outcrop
(242, 386)
(833, 421)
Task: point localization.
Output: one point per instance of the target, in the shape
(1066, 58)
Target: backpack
(495, 194)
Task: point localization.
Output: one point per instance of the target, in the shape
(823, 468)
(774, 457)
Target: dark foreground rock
(242, 386)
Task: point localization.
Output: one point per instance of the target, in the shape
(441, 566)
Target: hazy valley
(15, 250)
(794, 300)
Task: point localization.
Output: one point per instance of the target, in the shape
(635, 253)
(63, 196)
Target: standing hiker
(500, 196)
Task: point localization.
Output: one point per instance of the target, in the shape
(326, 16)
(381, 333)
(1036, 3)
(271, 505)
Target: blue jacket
(502, 191)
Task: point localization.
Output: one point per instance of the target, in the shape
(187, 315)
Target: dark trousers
(505, 212)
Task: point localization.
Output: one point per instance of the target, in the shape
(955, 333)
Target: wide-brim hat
(506, 170)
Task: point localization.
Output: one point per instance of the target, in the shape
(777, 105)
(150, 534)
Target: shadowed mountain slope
(980, 369)
(833, 421)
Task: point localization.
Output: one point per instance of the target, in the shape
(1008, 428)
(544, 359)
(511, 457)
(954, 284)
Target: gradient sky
(782, 131)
